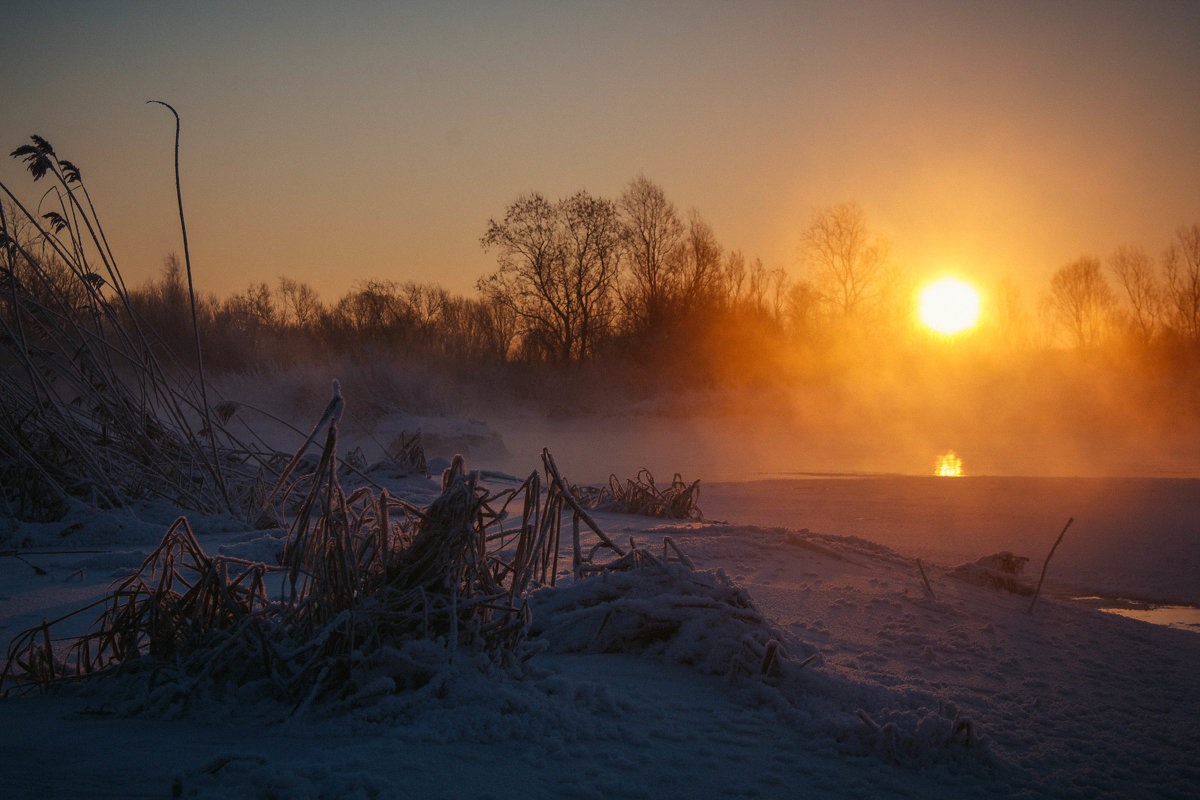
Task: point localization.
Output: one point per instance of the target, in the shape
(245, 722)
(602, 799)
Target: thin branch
(925, 580)
(1046, 564)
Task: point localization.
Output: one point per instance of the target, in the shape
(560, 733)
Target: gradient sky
(338, 142)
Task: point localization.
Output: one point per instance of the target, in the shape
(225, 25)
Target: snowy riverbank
(961, 691)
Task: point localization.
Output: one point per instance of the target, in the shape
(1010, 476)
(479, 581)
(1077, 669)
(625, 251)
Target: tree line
(1156, 300)
(586, 279)
(584, 272)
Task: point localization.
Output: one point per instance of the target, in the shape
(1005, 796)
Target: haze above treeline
(336, 144)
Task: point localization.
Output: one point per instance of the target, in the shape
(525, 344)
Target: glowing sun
(949, 306)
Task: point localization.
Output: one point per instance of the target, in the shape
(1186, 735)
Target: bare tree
(593, 260)
(1080, 301)
(652, 234)
(1181, 265)
(485, 330)
(161, 306)
(529, 282)
(558, 268)
(766, 290)
(734, 276)
(699, 262)
(1008, 316)
(378, 309)
(1136, 274)
(255, 307)
(801, 309)
(845, 261)
(299, 304)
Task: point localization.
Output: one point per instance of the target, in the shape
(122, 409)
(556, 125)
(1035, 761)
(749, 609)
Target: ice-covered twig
(1046, 564)
(925, 580)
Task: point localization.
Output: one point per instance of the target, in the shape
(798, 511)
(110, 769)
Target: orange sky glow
(376, 139)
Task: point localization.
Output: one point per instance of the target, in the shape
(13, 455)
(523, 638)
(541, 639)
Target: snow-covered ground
(884, 689)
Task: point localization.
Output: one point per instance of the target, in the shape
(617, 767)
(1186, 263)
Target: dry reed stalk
(1037, 592)
(925, 580)
(407, 451)
(87, 410)
(187, 260)
(364, 574)
(175, 601)
(680, 556)
(641, 496)
(555, 478)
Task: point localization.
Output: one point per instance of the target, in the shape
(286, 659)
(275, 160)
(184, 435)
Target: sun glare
(948, 465)
(949, 306)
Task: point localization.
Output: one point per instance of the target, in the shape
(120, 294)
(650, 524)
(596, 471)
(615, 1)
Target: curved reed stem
(187, 260)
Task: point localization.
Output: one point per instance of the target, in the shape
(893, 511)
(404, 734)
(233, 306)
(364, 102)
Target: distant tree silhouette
(1137, 276)
(163, 306)
(300, 306)
(802, 304)
(652, 235)
(1081, 302)
(846, 262)
(477, 329)
(699, 265)
(1008, 317)
(1181, 265)
(558, 265)
(752, 287)
(256, 306)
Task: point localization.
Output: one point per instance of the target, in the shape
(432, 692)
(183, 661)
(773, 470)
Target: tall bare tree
(802, 309)
(592, 260)
(652, 235)
(765, 289)
(845, 261)
(1181, 264)
(699, 262)
(558, 265)
(300, 306)
(1081, 302)
(1008, 316)
(1144, 291)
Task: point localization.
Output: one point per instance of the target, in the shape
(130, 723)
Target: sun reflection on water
(948, 465)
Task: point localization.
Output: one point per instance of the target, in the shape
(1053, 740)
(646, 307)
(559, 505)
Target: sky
(335, 143)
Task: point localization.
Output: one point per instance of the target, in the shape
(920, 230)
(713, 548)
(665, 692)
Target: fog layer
(1052, 415)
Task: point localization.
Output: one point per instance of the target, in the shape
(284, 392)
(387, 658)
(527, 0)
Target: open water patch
(1183, 617)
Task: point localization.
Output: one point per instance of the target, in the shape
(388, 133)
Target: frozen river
(1132, 537)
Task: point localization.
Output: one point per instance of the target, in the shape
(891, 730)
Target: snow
(651, 684)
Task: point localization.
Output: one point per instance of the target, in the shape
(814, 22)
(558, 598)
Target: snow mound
(668, 612)
(705, 621)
